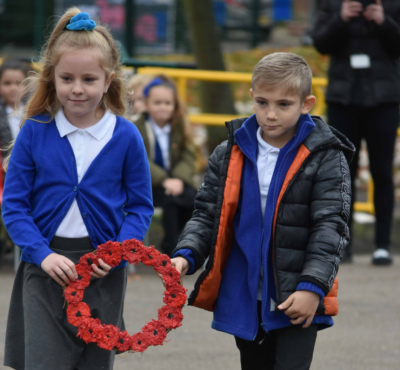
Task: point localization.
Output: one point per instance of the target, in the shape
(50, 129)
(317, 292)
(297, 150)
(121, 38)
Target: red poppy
(170, 317)
(110, 253)
(73, 295)
(90, 330)
(87, 260)
(140, 342)
(155, 332)
(172, 277)
(132, 251)
(77, 312)
(124, 341)
(174, 298)
(109, 337)
(83, 280)
(163, 264)
(151, 256)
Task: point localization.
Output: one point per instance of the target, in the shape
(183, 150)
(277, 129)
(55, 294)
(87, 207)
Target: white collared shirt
(266, 161)
(163, 135)
(14, 120)
(86, 144)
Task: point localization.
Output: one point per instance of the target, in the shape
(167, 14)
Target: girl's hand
(60, 268)
(100, 272)
(301, 306)
(375, 13)
(350, 9)
(173, 187)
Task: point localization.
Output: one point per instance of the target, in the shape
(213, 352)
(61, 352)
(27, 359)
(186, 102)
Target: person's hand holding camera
(375, 13)
(350, 9)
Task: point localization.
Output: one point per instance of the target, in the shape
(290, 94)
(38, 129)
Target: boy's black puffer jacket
(310, 228)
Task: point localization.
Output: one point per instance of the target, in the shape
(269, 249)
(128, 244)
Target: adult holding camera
(363, 94)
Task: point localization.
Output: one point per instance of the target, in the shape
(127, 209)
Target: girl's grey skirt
(39, 336)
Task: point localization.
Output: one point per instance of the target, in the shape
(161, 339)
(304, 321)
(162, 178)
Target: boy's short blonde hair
(286, 70)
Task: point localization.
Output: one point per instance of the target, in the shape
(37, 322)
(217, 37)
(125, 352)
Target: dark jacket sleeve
(389, 31)
(5, 132)
(329, 213)
(329, 31)
(198, 232)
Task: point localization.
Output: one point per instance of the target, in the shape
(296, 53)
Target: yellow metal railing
(183, 75)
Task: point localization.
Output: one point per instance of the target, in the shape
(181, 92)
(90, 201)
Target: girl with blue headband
(78, 176)
(165, 131)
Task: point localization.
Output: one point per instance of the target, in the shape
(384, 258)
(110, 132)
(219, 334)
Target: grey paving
(366, 335)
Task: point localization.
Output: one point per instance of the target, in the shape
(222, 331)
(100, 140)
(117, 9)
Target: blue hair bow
(81, 22)
(156, 82)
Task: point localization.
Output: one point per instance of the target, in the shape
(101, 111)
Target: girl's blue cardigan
(114, 196)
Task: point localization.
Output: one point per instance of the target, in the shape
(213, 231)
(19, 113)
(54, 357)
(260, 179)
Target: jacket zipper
(278, 294)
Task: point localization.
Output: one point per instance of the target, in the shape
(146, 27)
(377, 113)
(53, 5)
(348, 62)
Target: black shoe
(382, 257)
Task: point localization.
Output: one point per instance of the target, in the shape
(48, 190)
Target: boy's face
(277, 113)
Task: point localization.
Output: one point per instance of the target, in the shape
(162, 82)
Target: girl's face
(10, 85)
(137, 101)
(160, 104)
(80, 83)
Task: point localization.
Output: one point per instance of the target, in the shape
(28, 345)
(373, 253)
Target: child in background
(136, 98)
(77, 177)
(272, 216)
(12, 73)
(169, 146)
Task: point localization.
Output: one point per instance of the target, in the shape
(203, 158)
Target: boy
(272, 216)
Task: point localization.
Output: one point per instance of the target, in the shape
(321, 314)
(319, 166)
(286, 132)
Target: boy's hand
(181, 264)
(375, 13)
(60, 268)
(350, 9)
(300, 307)
(100, 272)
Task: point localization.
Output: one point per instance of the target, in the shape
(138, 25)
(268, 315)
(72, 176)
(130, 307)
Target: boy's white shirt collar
(263, 147)
(98, 130)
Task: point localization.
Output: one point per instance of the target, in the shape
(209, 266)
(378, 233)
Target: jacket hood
(321, 137)
(324, 136)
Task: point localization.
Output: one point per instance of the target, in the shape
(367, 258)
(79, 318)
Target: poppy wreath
(110, 337)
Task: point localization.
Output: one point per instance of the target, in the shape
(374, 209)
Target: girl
(137, 103)
(170, 150)
(77, 177)
(12, 73)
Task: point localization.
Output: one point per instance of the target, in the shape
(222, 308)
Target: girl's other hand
(173, 187)
(350, 9)
(100, 272)
(60, 268)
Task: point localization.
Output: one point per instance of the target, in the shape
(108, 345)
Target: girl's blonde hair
(138, 81)
(179, 114)
(40, 89)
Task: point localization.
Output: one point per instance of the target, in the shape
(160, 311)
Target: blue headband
(156, 82)
(81, 22)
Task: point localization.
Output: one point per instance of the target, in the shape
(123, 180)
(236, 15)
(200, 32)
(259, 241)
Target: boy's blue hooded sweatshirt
(236, 307)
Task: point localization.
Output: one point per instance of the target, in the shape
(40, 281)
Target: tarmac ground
(366, 334)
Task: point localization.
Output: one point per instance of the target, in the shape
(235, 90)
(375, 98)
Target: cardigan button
(84, 215)
(75, 188)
